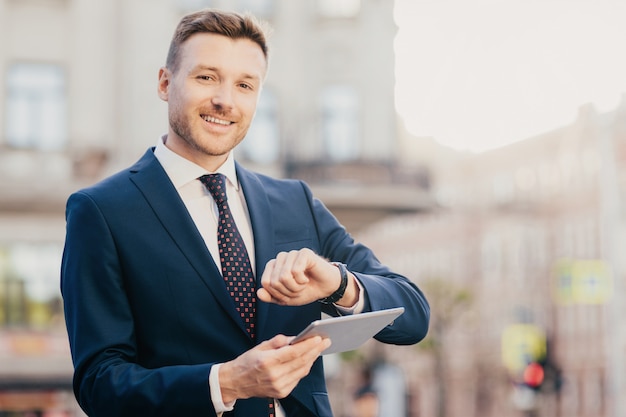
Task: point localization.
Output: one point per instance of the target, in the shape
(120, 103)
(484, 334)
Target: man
(157, 327)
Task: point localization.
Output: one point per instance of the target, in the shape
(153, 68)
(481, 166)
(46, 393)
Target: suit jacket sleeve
(383, 288)
(107, 380)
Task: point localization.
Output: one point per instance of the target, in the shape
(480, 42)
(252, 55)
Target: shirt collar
(182, 171)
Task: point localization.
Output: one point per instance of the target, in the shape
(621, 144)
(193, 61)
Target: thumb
(276, 342)
(263, 295)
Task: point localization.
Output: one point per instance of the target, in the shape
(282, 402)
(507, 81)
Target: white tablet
(349, 332)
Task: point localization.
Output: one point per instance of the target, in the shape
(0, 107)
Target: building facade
(533, 232)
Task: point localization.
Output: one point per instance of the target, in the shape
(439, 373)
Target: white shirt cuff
(357, 307)
(216, 392)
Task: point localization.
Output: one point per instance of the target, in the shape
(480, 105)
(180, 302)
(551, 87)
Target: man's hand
(301, 277)
(271, 369)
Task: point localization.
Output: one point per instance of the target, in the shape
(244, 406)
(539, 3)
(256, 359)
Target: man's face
(212, 96)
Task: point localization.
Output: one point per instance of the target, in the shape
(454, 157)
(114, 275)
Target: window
(339, 8)
(502, 188)
(262, 143)
(491, 255)
(29, 285)
(340, 122)
(36, 108)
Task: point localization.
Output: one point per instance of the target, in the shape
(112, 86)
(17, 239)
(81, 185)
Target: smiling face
(212, 96)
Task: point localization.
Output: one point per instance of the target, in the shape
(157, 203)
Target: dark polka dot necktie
(236, 268)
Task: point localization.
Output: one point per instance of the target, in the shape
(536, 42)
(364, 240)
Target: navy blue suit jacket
(147, 311)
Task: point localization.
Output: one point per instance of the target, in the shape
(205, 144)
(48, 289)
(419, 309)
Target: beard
(181, 125)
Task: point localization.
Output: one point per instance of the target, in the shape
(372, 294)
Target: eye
(205, 77)
(246, 86)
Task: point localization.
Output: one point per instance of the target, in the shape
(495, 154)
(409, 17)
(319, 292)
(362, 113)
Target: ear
(164, 83)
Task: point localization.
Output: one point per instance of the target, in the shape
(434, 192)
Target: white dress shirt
(184, 175)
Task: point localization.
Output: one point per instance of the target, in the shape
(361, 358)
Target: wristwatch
(336, 296)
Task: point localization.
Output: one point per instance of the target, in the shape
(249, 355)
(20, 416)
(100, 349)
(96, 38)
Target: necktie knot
(216, 184)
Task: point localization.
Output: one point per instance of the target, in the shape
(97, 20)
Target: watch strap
(337, 295)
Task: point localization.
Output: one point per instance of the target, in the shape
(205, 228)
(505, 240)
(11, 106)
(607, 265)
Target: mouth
(211, 119)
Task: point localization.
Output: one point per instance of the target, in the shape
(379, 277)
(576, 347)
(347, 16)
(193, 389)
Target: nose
(222, 98)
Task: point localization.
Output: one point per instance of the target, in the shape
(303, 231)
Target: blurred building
(534, 232)
(78, 102)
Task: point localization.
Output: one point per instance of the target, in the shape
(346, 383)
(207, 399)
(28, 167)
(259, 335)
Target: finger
(299, 362)
(282, 283)
(277, 342)
(294, 271)
(311, 347)
(266, 277)
(290, 282)
(280, 299)
(304, 259)
(289, 364)
(274, 270)
(271, 296)
(271, 290)
(263, 295)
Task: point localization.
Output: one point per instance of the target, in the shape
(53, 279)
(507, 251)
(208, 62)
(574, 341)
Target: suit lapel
(263, 230)
(150, 177)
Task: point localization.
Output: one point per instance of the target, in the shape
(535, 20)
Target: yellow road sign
(586, 281)
(522, 344)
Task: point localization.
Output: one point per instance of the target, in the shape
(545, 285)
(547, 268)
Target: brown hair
(230, 24)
